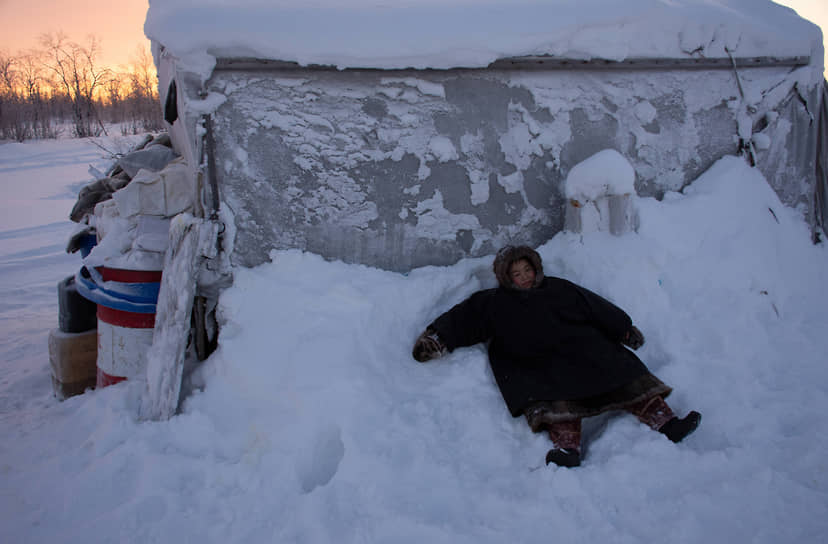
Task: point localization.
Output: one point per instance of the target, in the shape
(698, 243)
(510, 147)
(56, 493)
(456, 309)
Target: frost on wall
(399, 169)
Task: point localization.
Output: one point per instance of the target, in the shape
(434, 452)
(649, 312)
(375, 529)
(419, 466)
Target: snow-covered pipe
(598, 191)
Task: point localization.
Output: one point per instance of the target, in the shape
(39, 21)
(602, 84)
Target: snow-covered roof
(474, 33)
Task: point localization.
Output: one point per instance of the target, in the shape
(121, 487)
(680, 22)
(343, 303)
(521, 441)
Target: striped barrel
(126, 302)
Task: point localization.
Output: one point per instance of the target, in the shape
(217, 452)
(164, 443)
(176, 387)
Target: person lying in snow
(556, 352)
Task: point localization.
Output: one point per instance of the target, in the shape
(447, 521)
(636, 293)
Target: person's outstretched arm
(463, 325)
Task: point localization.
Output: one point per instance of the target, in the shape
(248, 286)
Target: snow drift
(312, 423)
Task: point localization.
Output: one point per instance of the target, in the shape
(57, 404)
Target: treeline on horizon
(61, 85)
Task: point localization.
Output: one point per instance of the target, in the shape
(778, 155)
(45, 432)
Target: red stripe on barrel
(103, 379)
(129, 276)
(119, 318)
(124, 337)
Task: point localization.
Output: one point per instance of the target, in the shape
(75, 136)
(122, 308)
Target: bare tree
(12, 124)
(114, 97)
(78, 75)
(143, 83)
(41, 89)
(35, 89)
(7, 76)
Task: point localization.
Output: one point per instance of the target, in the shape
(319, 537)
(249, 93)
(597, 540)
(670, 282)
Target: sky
(119, 25)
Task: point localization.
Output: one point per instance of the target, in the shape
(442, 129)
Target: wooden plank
(189, 237)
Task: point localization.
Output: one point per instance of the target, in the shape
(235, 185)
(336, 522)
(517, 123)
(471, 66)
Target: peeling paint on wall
(403, 169)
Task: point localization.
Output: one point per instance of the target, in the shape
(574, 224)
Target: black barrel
(76, 314)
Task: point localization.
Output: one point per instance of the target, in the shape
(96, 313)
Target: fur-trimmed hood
(509, 254)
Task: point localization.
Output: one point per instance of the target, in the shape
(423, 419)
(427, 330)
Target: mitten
(633, 338)
(428, 346)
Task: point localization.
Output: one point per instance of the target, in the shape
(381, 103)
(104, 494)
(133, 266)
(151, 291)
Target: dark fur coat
(557, 341)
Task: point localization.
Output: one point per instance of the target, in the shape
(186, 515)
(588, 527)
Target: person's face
(522, 274)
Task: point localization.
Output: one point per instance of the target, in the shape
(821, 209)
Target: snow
(442, 149)
(606, 173)
(312, 423)
(473, 33)
(39, 182)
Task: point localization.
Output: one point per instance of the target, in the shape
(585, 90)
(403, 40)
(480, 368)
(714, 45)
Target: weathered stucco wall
(410, 168)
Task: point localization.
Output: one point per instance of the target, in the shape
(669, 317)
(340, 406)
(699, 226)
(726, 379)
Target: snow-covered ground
(39, 183)
(312, 423)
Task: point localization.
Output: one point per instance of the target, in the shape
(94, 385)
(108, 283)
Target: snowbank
(474, 33)
(312, 423)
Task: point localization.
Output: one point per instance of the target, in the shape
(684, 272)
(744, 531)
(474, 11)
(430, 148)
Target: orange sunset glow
(118, 25)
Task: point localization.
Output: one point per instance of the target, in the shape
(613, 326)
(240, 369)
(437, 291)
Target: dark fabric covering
(556, 342)
(171, 104)
(821, 188)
